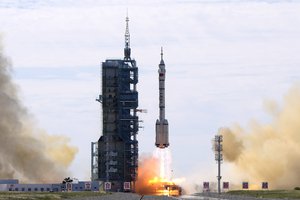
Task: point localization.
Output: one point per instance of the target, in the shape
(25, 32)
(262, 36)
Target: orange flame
(149, 182)
(148, 168)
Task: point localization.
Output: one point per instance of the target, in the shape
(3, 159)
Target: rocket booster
(162, 126)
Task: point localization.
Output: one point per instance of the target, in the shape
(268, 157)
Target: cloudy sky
(224, 59)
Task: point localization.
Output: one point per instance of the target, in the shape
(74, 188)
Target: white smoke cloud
(268, 151)
(27, 152)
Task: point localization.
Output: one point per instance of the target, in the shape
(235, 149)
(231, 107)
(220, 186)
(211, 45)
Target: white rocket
(162, 126)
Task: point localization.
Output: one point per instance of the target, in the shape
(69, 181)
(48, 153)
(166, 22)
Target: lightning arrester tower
(162, 126)
(115, 155)
(218, 147)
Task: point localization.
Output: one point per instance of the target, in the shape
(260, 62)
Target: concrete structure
(162, 126)
(9, 181)
(115, 155)
(12, 185)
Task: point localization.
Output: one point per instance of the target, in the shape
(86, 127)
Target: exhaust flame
(165, 161)
(26, 152)
(268, 152)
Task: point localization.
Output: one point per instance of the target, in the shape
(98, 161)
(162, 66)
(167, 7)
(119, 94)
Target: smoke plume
(26, 152)
(268, 151)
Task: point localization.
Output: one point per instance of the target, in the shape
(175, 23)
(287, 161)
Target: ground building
(14, 185)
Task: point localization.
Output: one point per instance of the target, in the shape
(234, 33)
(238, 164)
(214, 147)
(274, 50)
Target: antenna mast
(127, 49)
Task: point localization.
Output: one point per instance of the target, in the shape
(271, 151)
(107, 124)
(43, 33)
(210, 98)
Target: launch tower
(115, 155)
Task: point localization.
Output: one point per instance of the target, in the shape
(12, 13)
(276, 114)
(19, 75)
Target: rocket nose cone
(162, 62)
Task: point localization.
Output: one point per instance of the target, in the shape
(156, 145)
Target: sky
(224, 59)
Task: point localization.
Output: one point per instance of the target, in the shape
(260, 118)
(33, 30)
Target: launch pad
(161, 187)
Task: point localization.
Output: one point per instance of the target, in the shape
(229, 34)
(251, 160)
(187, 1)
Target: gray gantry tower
(115, 155)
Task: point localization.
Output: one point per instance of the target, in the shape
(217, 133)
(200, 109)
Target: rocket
(162, 126)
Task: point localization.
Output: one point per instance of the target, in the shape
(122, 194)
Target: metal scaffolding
(117, 148)
(94, 161)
